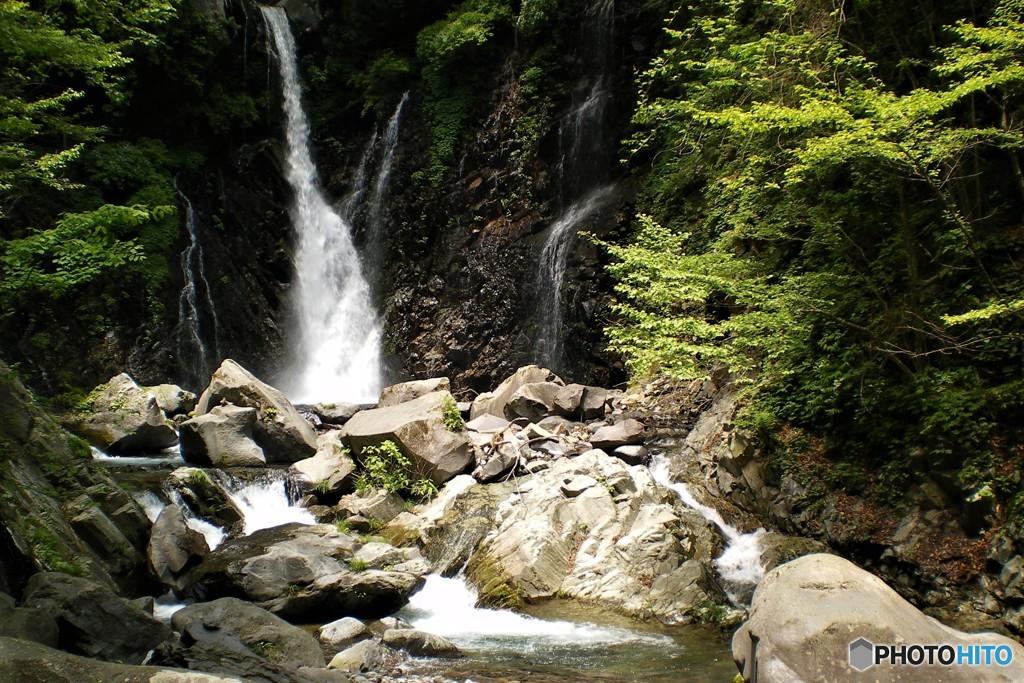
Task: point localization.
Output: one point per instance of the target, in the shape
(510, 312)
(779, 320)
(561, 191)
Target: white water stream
(198, 347)
(739, 565)
(379, 195)
(263, 501)
(336, 343)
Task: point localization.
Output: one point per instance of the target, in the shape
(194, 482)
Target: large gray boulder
(222, 437)
(282, 433)
(27, 623)
(417, 428)
(231, 636)
(174, 547)
(621, 434)
(172, 399)
(407, 391)
(806, 614)
(494, 402)
(92, 620)
(532, 401)
(343, 633)
(28, 662)
(331, 470)
(305, 574)
(123, 418)
(420, 643)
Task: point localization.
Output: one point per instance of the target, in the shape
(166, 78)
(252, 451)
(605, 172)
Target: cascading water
(583, 172)
(739, 565)
(198, 346)
(379, 195)
(264, 501)
(353, 200)
(337, 338)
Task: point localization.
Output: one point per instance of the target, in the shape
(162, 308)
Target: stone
(407, 391)
(232, 636)
(1012, 577)
(93, 526)
(85, 612)
(532, 401)
(364, 656)
(777, 549)
(331, 470)
(222, 437)
(303, 574)
(375, 504)
(806, 613)
(124, 419)
(494, 402)
(342, 633)
(283, 434)
(576, 485)
(594, 404)
(568, 400)
(336, 413)
(27, 623)
(21, 660)
(488, 424)
(174, 547)
(173, 400)
(205, 496)
(635, 454)
(420, 643)
(623, 433)
(417, 428)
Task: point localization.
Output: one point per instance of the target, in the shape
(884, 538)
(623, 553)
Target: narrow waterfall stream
(264, 501)
(336, 344)
(379, 196)
(198, 346)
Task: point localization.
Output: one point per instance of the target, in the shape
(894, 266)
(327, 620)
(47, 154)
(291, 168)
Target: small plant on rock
(385, 467)
(357, 564)
(424, 489)
(451, 415)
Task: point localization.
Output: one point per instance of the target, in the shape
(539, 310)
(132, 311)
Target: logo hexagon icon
(862, 654)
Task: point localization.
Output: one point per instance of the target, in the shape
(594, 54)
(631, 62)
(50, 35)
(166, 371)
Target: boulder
(635, 454)
(417, 428)
(532, 401)
(366, 655)
(282, 433)
(494, 402)
(123, 418)
(92, 620)
(27, 623)
(420, 643)
(28, 662)
(304, 574)
(331, 470)
(336, 413)
(779, 549)
(568, 400)
(222, 437)
(174, 547)
(234, 637)
(807, 613)
(342, 633)
(173, 400)
(623, 433)
(407, 391)
(581, 402)
(97, 529)
(205, 496)
(371, 504)
(487, 424)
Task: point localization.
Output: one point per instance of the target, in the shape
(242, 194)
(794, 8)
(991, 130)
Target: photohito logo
(864, 654)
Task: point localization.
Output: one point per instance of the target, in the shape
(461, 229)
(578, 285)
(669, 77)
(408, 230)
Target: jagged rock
(621, 541)
(581, 402)
(623, 433)
(376, 555)
(378, 627)
(364, 656)
(282, 433)
(778, 548)
(104, 536)
(28, 662)
(635, 454)
(302, 573)
(807, 610)
(336, 413)
(532, 401)
(234, 637)
(27, 623)
(419, 643)
(172, 399)
(173, 546)
(342, 633)
(205, 497)
(331, 470)
(1012, 577)
(494, 402)
(407, 391)
(222, 437)
(85, 612)
(123, 418)
(372, 504)
(568, 400)
(418, 428)
(594, 405)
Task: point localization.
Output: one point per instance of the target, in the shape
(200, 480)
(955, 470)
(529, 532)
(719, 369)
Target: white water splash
(263, 502)
(172, 458)
(151, 504)
(740, 564)
(213, 534)
(337, 340)
(446, 607)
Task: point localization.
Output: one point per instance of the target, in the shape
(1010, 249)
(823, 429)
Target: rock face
(282, 433)
(418, 428)
(304, 574)
(806, 613)
(592, 528)
(222, 437)
(173, 546)
(125, 419)
(92, 620)
(231, 636)
(407, 391)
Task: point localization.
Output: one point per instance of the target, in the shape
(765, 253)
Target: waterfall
(352, 202)
(264, 501)
(336, 343)
(740, 564)
(198, 351)
(586, 159)
(381, 187)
